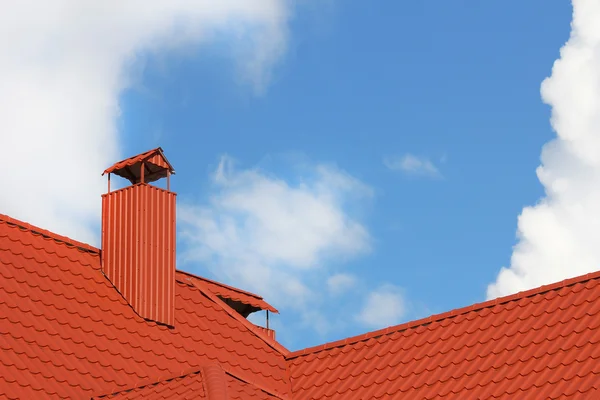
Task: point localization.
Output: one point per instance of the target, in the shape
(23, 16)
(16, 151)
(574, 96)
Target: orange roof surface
(539, 344)
(66, 332)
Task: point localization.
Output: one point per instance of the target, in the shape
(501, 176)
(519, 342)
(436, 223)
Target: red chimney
(138, 236)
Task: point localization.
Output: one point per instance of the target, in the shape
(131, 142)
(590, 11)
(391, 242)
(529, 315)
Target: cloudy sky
(357, 164)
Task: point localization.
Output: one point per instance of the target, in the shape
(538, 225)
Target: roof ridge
(257, 385)
(152, 381)
(222, 285)
(214, 382)
(48, 234)
(198, 370)
(448, 314)
(249, 325)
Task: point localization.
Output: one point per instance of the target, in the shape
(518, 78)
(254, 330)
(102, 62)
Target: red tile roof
(194, 385)
(66, 332)
(543, 343)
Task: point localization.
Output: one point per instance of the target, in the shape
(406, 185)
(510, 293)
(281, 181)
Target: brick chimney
(138, 236)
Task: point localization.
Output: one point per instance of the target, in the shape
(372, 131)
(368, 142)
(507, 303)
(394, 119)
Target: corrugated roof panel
(138, 248)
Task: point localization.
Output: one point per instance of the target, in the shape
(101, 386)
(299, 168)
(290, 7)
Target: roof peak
(448, 314)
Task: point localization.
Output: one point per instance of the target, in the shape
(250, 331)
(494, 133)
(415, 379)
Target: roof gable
(65, 330)
(543, 343)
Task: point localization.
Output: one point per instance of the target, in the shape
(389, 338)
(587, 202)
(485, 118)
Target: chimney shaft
(138, 236)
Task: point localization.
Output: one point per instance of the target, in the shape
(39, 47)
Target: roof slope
(544, 343)
(193, 385)
(66, 332)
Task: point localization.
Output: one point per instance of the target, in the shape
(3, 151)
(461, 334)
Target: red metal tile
(549, 338)
(66, 332)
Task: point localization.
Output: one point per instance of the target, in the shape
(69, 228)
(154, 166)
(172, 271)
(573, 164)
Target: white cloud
(560, 236)
(63, 65)
(273, 237)
(412, 165)
(340, 283)
(383, 307)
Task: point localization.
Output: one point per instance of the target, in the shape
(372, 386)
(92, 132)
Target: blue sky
(454, 83)
(359, 164)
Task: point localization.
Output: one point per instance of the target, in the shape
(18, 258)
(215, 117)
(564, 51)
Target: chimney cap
(156, 166)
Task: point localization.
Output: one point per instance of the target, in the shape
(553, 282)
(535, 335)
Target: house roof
(543, 343)
(65, 331)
